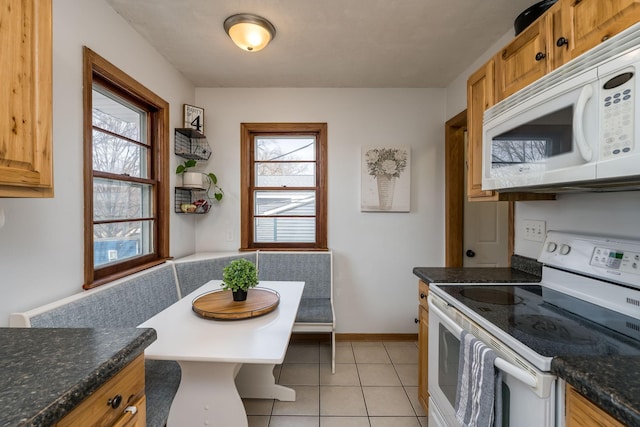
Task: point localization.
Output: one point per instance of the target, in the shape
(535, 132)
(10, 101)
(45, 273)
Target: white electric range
(587, 303)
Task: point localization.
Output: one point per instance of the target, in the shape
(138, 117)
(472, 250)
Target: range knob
(551, 247)
(565, 249)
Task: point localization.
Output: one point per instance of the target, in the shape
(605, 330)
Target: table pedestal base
(209, 393)
(257, 382)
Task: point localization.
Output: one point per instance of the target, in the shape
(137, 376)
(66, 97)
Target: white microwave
(577, 128)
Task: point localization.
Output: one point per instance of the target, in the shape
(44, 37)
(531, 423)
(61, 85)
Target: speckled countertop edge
(130, 344)
(611, 382)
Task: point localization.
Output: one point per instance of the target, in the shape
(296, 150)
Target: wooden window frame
(247, 133)
(99, 69)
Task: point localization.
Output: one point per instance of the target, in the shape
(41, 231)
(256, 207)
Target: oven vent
(633, 302)
(634, 326)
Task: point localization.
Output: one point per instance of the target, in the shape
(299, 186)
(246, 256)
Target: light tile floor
(375, 385)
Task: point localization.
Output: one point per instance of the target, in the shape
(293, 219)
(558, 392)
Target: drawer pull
(131, 409)
(115, 401)
(422, 296)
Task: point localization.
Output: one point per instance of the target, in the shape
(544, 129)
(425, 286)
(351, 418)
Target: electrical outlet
(535, 230)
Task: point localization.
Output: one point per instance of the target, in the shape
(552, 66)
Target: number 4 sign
(194, 117)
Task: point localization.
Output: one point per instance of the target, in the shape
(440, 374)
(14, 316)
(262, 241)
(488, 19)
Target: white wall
(41, 243)
(374, 253)
(615, 214)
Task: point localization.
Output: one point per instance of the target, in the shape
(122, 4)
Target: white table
(211, 354)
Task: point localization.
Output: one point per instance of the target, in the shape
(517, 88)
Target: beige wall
(41, 243)
(374, 253)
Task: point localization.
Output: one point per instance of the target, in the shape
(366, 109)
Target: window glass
(284, 167)
(126, 181)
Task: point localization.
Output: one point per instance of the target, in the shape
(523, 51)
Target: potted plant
(194, 179)
(239, 276)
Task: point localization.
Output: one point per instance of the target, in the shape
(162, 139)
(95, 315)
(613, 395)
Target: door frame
(454, 166)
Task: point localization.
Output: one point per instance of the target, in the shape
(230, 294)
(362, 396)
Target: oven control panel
(610, 258)
(616, 259)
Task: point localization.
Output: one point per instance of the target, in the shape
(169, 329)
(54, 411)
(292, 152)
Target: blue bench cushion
(312, 268)
(193, 274)
(162, 378)
(315, 310)
(123, 305)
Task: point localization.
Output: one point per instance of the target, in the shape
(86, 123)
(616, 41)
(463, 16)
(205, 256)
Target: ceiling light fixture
(249, 32)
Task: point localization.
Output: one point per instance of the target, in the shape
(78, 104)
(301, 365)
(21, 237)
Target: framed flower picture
(386, 179)
(194, 118)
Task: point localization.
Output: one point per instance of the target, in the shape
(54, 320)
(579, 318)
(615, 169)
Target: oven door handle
(500, 363)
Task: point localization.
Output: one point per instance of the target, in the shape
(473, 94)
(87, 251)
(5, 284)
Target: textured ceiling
(325, 43)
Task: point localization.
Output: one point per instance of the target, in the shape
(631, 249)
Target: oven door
(528, 395)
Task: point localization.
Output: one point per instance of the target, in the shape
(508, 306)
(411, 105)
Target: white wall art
(386, 179)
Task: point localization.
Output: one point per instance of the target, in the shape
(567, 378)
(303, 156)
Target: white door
(486, 232)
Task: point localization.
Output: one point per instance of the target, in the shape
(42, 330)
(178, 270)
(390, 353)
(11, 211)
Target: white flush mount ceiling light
(249, 32)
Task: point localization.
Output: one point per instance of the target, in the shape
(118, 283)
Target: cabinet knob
(115, 401)
(605, 38)
(540, 56)
(416, 320)
(562, 42)
(422, 296)
(470, 253)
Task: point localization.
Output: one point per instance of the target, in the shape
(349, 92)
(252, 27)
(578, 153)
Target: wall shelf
(191, 200)
(191, 144)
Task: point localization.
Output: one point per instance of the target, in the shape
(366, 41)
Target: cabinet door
(522, 61)
(480, 96)
(423, 358)
(26, 97)
(558, 34)
(583, 413)
(591, 22)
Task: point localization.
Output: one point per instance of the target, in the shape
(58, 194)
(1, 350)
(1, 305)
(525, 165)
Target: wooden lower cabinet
(127, 387)
(423, 346)
(581, 412)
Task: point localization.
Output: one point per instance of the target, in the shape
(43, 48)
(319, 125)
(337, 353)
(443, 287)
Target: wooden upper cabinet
(590, 22)
(480, 96)
(522, 61)
(26, 168)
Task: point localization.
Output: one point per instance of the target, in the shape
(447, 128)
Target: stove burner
(554, 329)
(491, 296)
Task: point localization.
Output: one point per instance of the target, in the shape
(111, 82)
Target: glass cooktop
(533, 315)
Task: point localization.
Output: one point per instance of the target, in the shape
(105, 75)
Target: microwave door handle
(516, 372)
(578, 123)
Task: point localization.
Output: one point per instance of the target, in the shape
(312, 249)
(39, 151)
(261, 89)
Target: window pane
(285, 174)
(282, 230)
(285, 203)
(117, 116)
(285, 149)
(114, 200)
(119, 156)
(121, 241)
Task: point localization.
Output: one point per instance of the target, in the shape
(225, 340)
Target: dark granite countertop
(611, 382)
(523, 270)
(46, 372)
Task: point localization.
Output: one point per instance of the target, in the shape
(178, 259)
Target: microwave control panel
(617, 106)
(614, 259)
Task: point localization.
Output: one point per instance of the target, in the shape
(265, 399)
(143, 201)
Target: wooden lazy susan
(221, 306)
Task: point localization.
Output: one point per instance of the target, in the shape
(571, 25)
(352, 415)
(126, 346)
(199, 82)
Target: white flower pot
(192, 179)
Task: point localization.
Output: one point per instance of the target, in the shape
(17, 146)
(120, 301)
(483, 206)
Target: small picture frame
(194, 118)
